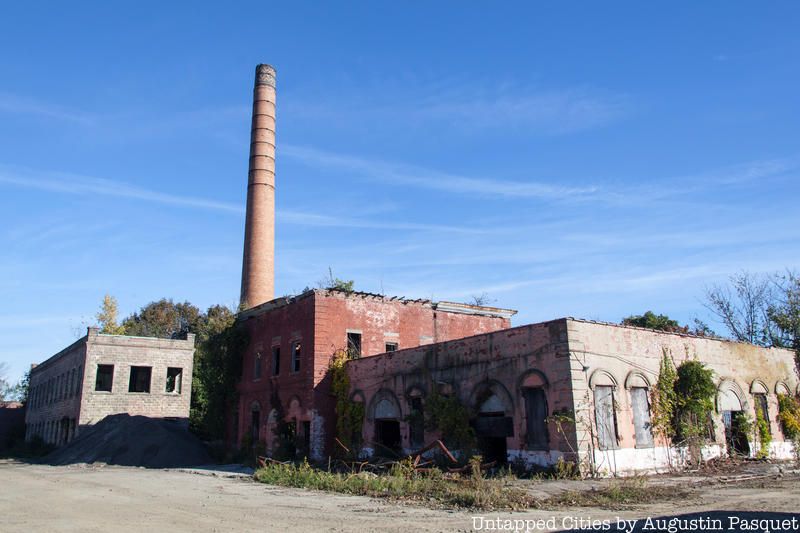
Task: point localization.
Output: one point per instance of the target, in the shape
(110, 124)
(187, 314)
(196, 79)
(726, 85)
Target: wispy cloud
(551, 112)
(315, 219)
(10, 103)
(463, 106)
(406, 175)
(67, 183)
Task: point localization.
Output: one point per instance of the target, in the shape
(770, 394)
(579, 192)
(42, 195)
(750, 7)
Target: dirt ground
(105, 498)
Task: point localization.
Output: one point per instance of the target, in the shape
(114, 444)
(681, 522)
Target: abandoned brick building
(100, 375)
(514, 380)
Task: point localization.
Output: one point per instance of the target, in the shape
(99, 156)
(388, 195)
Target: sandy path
(80, 498)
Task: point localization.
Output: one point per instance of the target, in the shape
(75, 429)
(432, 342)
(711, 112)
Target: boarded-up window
(641, 417)
(605, 417)
(536, 417)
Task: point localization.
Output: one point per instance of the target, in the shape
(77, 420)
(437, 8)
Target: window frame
(110, 379)
(136, 369)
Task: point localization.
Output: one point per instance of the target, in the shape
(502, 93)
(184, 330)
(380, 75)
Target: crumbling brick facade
(319, 321)
(515, 380)
(66, 392)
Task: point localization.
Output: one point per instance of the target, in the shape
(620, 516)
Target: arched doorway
(386, 417)
(494, 423)
(731, 405)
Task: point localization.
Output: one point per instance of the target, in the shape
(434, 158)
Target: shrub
(789, 416)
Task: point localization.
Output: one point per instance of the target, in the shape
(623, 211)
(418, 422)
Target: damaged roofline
(446, 307)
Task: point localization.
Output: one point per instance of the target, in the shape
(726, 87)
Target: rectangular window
(605, 417)
(276, 360)
(105, 377)
(391, 346)
(140, 379)
(174, 379)
(296, 351)
(536, 435)
(257, 366)
(354, 345)
(641, 417)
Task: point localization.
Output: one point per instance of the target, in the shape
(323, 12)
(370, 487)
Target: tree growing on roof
(107, 317)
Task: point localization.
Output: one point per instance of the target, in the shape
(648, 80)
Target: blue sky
(568, 159)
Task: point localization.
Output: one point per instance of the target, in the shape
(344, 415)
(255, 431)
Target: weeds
(404, 483)
(625, 492)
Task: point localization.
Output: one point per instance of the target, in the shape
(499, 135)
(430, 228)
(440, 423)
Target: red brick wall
(322, 319)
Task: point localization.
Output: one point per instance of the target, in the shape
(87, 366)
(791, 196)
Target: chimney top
(265, 75)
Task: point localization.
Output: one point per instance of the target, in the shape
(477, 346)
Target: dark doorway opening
(736, 423)
(491, 430)
(387, 437)
(304, 442)
(255, 425)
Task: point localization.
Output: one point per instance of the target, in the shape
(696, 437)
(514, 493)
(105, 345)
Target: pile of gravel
(133, 441)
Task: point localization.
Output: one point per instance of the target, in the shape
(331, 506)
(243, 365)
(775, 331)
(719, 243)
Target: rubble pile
(128, 440)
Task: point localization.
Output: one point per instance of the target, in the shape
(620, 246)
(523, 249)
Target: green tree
(165, 319)
(219, 345)
(333, 283)
(217, 370)
(651, 320)
(107, 317)
(694, 391)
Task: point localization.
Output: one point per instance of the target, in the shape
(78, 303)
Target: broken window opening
(255, 425)
(276, 360)
(174, 379)
(105, 378)
(391, 346)
(353, 345)
(296, 352)
(140, 379)
(257, 366)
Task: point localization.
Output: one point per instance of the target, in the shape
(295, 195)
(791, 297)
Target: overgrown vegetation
(789, 416)
(695, 390)
(682, 403)
(404, 482)
(451, 418)
(764, 435)
(664, 400)
(620, 493)
(650, 320)
(333, 283)
(219, 346)
(349, 413)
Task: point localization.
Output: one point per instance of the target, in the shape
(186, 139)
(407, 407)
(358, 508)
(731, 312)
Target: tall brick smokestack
(258, 264)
